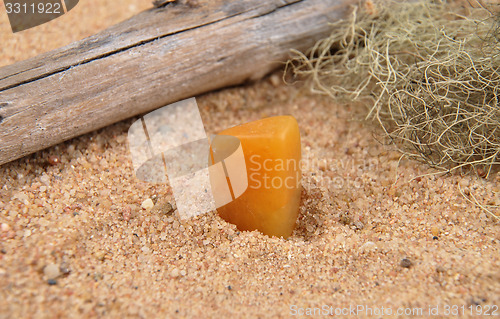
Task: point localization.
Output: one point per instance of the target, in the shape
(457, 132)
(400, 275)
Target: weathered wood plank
(157, 57)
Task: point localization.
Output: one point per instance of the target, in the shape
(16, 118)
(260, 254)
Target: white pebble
(5, 227)
(174, 272)
(45, 179)
(51, 271)
(147, 204)
(368, 246)
(21, 196)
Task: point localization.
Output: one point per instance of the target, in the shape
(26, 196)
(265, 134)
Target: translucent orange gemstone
(270, 203)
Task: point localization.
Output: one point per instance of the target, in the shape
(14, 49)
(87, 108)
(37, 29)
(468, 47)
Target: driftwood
(157, 57)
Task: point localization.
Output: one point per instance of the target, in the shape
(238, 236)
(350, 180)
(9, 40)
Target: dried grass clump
(433, 76)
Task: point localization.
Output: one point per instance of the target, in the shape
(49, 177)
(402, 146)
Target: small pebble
(434, 231)
(45, 179)
(52, 282)
(174, 272)
(100, 255)
(21, 196)
(440, 269)
(345, 219)
(406, 263)
(275, 80)
(127, 213)
(54, 160)
(163, 207)
(435, 237)
(98, 276)
(5, 227)
(359, 225)
(51, 271)
(368, 246)
(65, 269)
(147, 204)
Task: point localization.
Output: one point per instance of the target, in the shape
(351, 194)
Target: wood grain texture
(157, 57)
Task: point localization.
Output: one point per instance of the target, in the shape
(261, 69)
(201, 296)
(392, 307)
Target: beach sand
(372, 236)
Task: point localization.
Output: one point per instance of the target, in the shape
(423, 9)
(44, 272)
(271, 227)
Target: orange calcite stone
(270, 203)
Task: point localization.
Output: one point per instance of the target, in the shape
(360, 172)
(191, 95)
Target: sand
(372, 236)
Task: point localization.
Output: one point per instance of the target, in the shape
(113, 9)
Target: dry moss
(432, 76)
